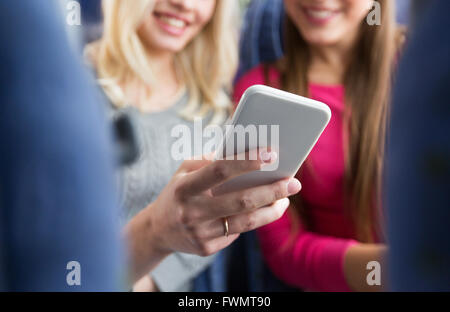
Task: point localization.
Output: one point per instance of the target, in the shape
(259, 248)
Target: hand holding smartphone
(268, 118)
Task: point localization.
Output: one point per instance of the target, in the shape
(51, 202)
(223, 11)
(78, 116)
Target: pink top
(312, 260)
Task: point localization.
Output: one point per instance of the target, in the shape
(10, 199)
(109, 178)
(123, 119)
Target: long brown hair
(368, 84)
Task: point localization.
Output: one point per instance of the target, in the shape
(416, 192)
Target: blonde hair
(207, 64)
(368, 86)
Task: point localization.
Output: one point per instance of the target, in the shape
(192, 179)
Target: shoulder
(265, 74)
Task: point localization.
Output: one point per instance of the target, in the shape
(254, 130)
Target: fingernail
(268, 157)
(286, 203)
(294, 186)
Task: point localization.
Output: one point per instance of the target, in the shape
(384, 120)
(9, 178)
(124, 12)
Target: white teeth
(322, 14)
(175, 22)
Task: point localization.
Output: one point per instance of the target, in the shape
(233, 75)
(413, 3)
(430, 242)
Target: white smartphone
(270, 118)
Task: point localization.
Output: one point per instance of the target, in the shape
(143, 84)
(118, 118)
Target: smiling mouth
(171, 21)
(319, 16)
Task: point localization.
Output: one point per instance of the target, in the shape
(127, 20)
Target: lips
(320, 16)
(172, 21)
(172, 24)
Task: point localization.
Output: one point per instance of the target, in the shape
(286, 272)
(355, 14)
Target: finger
(250, 200)
(256, 219)
(217, 244)
(246, 222)
(223, 170)
(192, 165)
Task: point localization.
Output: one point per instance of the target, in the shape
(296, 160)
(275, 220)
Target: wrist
(356, 259)
(155, 233)
(146, 284)
(146, 249)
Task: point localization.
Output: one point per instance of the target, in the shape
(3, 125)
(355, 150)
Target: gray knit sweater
(143, 181)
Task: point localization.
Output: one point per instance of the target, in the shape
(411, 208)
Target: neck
(329, 63)
(331, 55)
(160, 95)
(164, 68)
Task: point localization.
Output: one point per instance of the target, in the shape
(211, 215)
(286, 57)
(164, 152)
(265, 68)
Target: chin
(322, 40)
(173, 47)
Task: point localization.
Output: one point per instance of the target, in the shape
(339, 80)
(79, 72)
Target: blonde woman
(167, 62)
(163, 60)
